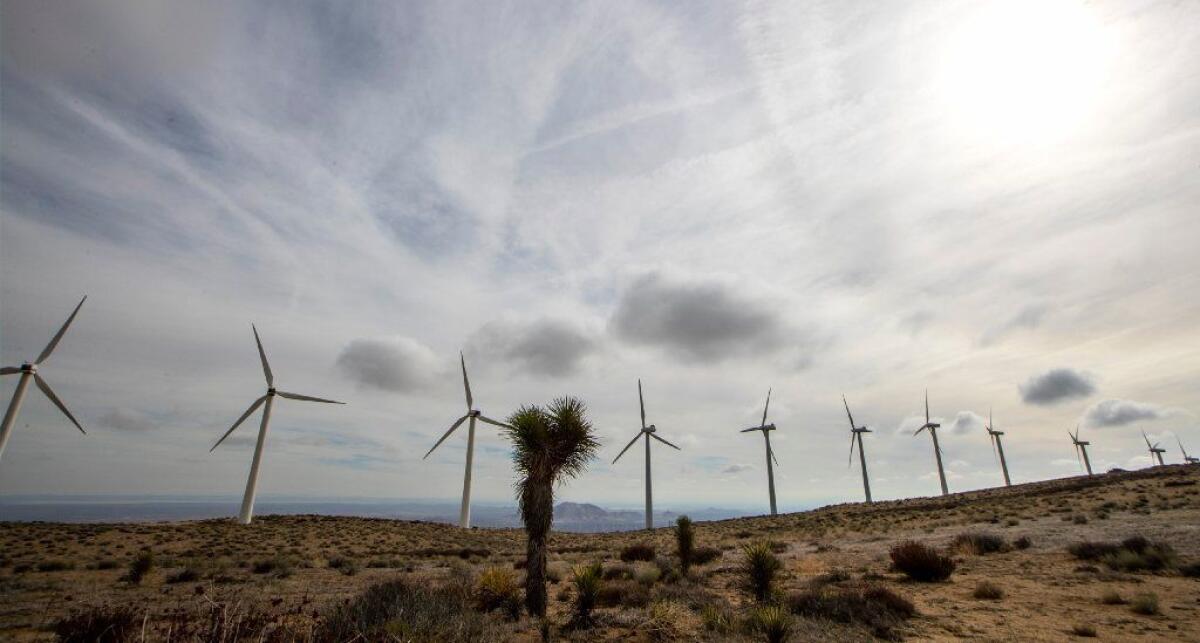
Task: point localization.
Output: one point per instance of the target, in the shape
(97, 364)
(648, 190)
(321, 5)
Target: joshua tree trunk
(538, 507)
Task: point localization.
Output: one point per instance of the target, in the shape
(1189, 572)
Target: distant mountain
(573, 511)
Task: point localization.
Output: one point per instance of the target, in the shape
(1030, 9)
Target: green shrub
(1133, 554)
(759, 569)
(588, 579)
(141, 565)
(772, 622)
(873, 606)
(407, 610)
(716, 619)
(685, 542)
(921, 562)
(498, 589)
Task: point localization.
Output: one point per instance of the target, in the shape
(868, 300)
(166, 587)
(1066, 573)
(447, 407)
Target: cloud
(700, 321)
(966, 422)
(1056, 385)
(737, 468)
(1120, 413)
(121, 419)
(397, 364)
(545, 346)
(1029, 317)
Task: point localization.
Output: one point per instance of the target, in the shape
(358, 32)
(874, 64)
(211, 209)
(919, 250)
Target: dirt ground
(298, 567)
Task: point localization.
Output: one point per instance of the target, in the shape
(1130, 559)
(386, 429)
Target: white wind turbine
(1187, 459)
(937, 451)
(1155, 451)
(766, 429)
(856, 435)
(1081, 449)
(247, 512)
(464, 514)
(647, 432)
(30, 370)
(998, 447)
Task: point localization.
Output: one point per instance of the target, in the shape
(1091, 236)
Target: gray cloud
(966, 422)
(1120, 413)
(699, 321)
(1056, 385)
(543, 346)
(737, 468)
(1029, 317)
(125, 420)
(397, 364)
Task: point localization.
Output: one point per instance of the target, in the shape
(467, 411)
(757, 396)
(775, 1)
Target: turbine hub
(475, 413)
(649, 429)
(28, 368)
(270, 390)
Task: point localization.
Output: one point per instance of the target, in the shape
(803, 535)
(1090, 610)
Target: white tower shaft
(247, 513)
(1086, 462)
(649, 495)
(1003, 462)
(862, 461)
(937, 451)
(464, 514)
(10, 416)
(770, 472)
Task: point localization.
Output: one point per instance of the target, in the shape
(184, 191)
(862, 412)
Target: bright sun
(1026, 70)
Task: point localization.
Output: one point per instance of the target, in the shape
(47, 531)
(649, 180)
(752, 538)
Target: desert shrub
(685, 542)
(987, 590)
(185, 575)
(638, 551)
(1145, 604)
(99, 625)
(385, 563)
(277, 567)
(772, 622)
(921, 562)
(618, 571)
(409, 611)
(141, 565)
(1191, 570)
(647, 575)
(662, 621)
(623, 593)
(873, 606)
(1089, 550)
(979, 543)
(1023, 543)
(705, 555)
(557, 571)
(1112, 597)
(344, 564)
(1079, 519)
(759, 568)
(716, 619)
(1084, 630)
(777, 547)
(55, 566)
(498, 589)
(107, 563)
(1133, 554)
(835, 575)
(588, 579)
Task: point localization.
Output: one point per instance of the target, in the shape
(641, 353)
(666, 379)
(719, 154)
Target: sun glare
(1026, 71)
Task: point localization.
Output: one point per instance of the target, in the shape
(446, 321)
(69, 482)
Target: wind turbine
(1154, 450)
(247, 512)
(30, 370)
(937, 451)
(464, 513)
(1081, 449)
(647, 432)
(856, 434)
(1186, 458)
(998, 446)
(766, 429)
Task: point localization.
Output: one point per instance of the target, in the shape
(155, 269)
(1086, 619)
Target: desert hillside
(1041, 561)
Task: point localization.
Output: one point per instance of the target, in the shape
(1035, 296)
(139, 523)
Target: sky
(994, 201)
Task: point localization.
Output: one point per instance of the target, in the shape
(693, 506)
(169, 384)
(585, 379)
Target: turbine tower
(1155, 451)
(30, 370)
(766, 429)
(998, 447)
(473, 414)
(647, 432)
(937, 451)
(1187, 459)
(856, 434)
(1081, 449)
(247, 512)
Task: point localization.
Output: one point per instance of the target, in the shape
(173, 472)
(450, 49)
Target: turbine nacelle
(650, 429)
(28, 367)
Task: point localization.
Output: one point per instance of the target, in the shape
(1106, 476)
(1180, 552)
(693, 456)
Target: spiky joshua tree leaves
(550, 445)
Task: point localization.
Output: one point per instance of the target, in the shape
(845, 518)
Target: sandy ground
(1047, 592)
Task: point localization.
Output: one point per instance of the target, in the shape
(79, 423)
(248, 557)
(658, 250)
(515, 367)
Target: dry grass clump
(1130, 555)
(1112, 597)
(979, 543)
(705, 555)
(772, 622)
(101, 625)
(406, 610)
(637, 552)
(873, 606)
(623, 593)
(921, 562)
(988, 591)
(1083, 629)
(1145, 604)
(498, 589)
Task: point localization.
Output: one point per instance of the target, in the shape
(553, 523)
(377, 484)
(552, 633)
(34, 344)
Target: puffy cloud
(1120, 413)
(397, 364)
(544, 346)
(701, 321)
(966, 422)
(121, 419)
(1056, 385)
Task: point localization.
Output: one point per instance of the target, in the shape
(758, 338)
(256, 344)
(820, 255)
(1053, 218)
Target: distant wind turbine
(1155, 451)
(1081, 449)
(247, 512)
(1186, 458)
(766, 429)
(998, 447)
(30, 370)
(647, 432)
(464, 512)
(937, 451)
(856, 434)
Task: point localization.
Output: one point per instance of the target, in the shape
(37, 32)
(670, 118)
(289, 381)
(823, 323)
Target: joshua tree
(685, 539)
(550, 445)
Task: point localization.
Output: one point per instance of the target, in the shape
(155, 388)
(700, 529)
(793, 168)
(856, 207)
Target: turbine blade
(1181, 450)
(1078, 456)
(926, 406)
(466, 382)
(918, 432)
(850, 458)
(655, 436)
(62, 331)
(1147, 439)
(635, 439)
(641, 403)
(996, 446)
(753, 428)
(253, 407)
(263, 356)
(766, 406)
(847, 404)
(446, 435)
(9, 370)
(306, 398)
(57, 402)
(483, 418)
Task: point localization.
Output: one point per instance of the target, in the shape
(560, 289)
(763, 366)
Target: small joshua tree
(588, 580)
(685, 540)
(760, 566)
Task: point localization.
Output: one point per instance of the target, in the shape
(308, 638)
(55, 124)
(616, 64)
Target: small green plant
(685, 543)
(141, 565)
(498, 589)
(989, 591)
(759, 567)
(1084, 630)
(588, 579)
(773, 622)
(1145, 604)
(921, 562)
